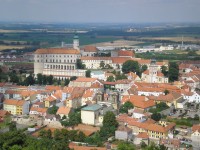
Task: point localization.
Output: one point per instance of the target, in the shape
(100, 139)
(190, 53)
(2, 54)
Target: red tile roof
(90, 49)
(125, 53)
(57, 51)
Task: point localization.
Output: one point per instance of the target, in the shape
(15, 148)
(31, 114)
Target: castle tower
(76, 42)
(153, 69)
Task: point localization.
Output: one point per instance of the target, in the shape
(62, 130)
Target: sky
(100, 11)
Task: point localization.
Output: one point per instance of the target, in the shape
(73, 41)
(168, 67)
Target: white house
(98, 74)
(93, 114)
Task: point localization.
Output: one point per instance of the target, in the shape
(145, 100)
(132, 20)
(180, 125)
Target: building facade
(59, 62)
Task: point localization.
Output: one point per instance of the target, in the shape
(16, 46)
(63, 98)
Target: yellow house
(170, 99)
(49, 101)
(16, 107)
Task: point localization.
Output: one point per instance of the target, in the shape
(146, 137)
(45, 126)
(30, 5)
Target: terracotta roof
(124, 128)
(169, 97)
(68, 89)
(95, 58)
(2, 84)
(196, 128)
(57, 51)
(82, 79)
(76, 147)
(50, 98)
(175, 142)
(119, 60)
(139, 101)
(64, 110)
(124, 81)
(28, 93)
(143, 135)
(88, 93)
(125, 53)
(53, 87)
(3, 113)
(14, 102)
(90, 49)
(39, 110)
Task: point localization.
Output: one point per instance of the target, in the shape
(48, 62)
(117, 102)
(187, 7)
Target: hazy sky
(120, 11)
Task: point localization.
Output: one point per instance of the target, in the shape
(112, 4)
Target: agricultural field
(174, 39)
(119, 43)
(15, 47)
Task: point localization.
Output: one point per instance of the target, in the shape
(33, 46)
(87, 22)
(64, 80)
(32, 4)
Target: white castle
(59, 62)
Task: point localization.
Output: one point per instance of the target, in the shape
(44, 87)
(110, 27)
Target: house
(98, 74)
(140, 102)
(123, 85)
(88, 97)
(89, 51)
(52, 118)
(133, 76)
(153, 129)
(75, 98)
(84, 82)
(153, 74)
(50, 101)
(170, 99)
(93, 114)
(139, 113)
(3, 114)
(38, 111)
(63, 111)
(191, 96)
(141, 137)
(170, 143)
(16, 107)
(195, 137)
(123, 133)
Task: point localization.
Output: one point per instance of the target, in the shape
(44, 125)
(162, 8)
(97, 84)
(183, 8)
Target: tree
(156, 116)
(44, 79)
(53, 109)
(144, 68)
(102, 64)
(109, 125)
(45, 134)
(66, 82)
(80, 137)
(143, 144)
(12, 126)
(196, 117)
(50, 80)
(166, 91)
(173, 72)
(88, 73)
(131, 66)
(29, 80)
(73, 78)
(14, 78)
(39, 78)
(110, 79)
(124, 108)
(79, 64)
(125, 146)
(74, 119)
(164, 70)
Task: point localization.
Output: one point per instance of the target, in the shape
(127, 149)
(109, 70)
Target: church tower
(153, 69)
(76, 42)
